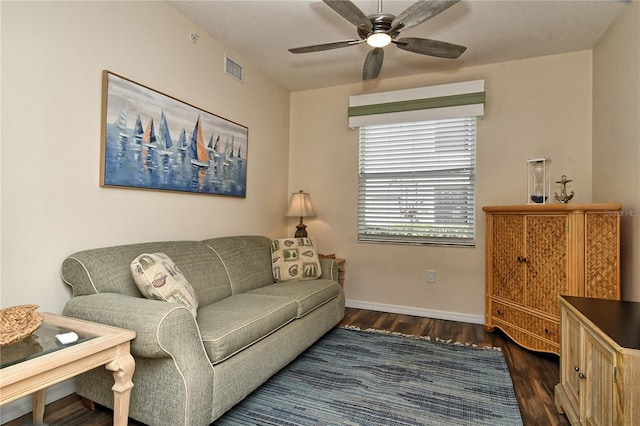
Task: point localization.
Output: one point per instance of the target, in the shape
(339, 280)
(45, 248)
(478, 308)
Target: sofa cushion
(308, 295)
(159, 278)
(108, 269)
(237, 322)
(295, 259)
(246, 259)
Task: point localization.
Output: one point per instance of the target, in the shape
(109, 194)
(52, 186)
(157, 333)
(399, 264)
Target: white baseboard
(419, 312)
(22, 406)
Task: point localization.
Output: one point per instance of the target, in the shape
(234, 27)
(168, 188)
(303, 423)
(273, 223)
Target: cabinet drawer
(527, 340)
(541, 327)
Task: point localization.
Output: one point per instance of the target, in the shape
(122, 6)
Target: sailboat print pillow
(159, 278)
(295, 259)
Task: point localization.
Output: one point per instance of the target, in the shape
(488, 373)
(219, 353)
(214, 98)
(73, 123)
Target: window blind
(416, 182)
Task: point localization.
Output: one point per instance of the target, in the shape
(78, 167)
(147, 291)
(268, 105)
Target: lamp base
(301, 230)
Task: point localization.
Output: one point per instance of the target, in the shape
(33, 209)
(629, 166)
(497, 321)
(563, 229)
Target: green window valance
(454, 100)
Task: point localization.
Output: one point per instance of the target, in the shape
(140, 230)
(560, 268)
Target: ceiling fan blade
(351, 13)
(420, 12)
(425, 46)
(373, 64)
(327, 46)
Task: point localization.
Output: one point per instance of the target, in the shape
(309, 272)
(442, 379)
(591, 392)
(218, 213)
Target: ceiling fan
(381, 29)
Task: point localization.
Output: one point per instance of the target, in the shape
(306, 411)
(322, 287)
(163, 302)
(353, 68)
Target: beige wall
(616, 134)
(536, 107)
(53, 54)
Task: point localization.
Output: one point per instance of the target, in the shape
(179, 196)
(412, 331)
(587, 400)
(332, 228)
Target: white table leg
(122, 368)
(38, 405)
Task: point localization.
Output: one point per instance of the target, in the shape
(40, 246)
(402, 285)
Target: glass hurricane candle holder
(538, 177)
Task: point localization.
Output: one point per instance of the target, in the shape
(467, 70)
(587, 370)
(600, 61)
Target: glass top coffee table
(39, 361)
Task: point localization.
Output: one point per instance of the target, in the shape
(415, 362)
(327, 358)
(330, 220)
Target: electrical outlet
(431, 276)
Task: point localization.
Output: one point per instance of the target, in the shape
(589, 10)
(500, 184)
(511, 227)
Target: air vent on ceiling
(233, 69)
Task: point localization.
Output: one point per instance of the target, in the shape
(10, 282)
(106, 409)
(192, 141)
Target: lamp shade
(300, 205)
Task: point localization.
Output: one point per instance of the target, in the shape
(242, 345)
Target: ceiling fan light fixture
(379, 40)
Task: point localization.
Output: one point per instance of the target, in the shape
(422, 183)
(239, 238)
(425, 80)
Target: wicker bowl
(17, 322)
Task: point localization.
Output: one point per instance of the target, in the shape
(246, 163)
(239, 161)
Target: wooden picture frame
(154, 141)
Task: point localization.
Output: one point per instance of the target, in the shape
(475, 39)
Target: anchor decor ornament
(564, 197)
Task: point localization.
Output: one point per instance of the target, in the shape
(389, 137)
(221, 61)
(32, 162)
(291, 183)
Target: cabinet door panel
(601, 256)
(597, 403)
(508, 244)
(546, 248)
(570, 363)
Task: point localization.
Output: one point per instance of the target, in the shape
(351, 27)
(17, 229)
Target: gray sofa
(190, 371)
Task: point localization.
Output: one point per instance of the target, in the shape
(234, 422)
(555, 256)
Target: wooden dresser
(534, 253)
(600, 362)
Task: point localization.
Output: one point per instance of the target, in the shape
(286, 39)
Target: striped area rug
(352, 377)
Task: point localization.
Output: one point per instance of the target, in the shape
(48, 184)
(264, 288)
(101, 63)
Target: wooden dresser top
(555, 207)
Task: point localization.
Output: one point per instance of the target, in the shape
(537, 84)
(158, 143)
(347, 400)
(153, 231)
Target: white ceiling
(493, 31)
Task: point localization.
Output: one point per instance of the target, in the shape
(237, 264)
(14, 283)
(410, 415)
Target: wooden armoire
(534, 253)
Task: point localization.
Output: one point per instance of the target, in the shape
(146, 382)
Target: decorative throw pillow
(295, 259)
(159, 278)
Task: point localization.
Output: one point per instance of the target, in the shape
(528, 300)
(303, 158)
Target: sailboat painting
(145, 156)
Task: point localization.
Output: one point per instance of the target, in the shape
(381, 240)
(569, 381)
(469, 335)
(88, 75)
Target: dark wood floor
(534, 375)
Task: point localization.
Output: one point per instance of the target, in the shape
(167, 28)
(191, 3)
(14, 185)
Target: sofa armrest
(329, 269)
(162, 329)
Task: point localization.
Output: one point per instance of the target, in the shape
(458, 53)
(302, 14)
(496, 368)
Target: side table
(42, 362)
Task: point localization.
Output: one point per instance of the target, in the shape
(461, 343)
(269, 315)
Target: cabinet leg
(489, 329)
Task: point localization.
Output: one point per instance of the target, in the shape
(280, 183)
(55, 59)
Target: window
(417, 163)
(416, 182)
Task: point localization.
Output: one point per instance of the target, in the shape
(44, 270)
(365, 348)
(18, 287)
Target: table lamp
(300, 206)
